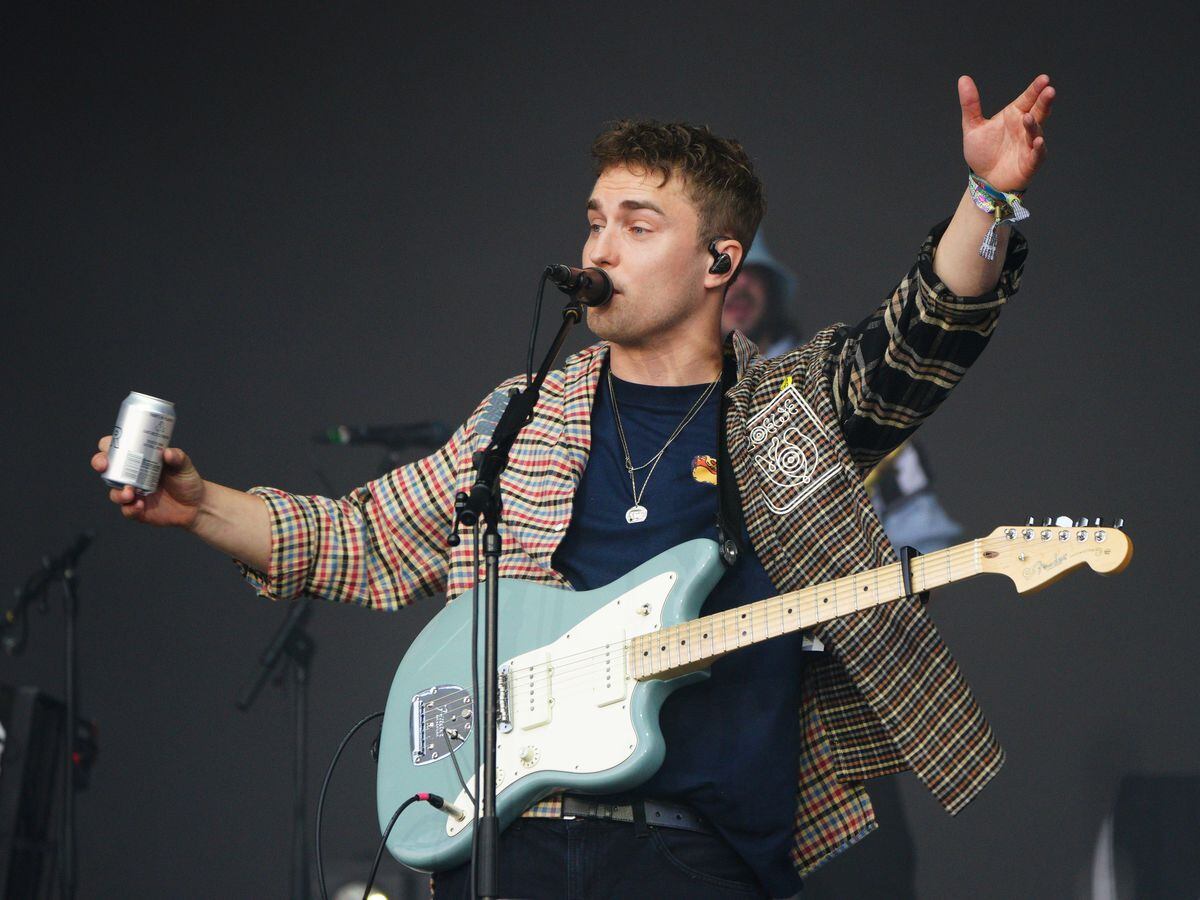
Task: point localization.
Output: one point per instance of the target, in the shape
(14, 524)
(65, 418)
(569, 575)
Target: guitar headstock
(1034, 556)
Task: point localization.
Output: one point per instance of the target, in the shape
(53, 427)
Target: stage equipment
(394, 437)
(1147, 843)
(581, 683)
(483, 504)
(15, 627)
(291, 648)
(30, 742)
(591, 287)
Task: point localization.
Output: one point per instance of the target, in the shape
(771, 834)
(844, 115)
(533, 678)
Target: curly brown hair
(717, 173)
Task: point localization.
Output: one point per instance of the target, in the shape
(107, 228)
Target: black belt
(657, 812)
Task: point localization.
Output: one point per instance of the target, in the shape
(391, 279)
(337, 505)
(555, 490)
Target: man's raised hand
(1007, 149)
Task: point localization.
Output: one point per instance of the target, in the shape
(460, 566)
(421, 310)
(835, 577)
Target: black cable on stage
(533, 331)
(432, 799)
(321, 800)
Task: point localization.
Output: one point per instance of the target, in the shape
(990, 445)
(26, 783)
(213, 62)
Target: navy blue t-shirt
(732, 740)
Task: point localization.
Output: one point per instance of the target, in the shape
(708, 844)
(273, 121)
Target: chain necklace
(637, 513)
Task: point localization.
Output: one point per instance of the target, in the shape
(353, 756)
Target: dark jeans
(589, 859)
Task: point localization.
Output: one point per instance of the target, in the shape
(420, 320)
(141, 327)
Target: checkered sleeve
(896, 366)
(381, 546)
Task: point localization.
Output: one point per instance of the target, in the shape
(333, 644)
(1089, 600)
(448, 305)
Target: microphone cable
(533, 331)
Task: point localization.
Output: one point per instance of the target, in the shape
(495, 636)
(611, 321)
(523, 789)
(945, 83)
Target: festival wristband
(1005, 207)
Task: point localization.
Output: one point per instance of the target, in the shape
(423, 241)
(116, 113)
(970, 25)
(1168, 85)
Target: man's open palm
(1007, 149)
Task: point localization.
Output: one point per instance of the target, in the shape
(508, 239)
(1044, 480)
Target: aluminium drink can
(142, 432)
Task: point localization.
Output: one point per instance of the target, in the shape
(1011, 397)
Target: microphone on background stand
(395, 437)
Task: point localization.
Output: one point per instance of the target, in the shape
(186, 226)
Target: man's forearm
(957, 261)
(237, 524)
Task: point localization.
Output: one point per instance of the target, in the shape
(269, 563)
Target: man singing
(662, 433)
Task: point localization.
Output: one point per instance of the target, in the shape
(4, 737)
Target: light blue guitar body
(574, 717)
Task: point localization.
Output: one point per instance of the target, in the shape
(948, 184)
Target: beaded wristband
(1005, 207)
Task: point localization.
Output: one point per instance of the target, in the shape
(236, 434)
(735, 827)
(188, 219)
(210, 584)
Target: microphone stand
(63, 567)
(484, 501)
(296, 647)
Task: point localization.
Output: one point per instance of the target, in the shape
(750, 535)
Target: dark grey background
(283, 216)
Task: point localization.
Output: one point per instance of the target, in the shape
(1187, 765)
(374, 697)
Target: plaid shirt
(802, 431)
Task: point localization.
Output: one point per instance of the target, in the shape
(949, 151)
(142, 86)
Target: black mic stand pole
(295, 646)
(484, 501)
(62, 566)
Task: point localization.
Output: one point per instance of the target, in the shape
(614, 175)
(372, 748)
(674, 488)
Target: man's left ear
(727, 258)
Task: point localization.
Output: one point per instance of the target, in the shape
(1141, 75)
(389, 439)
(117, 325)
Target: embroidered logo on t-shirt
(788, 461)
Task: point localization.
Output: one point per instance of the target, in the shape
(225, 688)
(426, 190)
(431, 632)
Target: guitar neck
(697, 643)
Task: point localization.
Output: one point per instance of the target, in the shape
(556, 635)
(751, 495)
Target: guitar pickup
(529, 685)
(608, 684)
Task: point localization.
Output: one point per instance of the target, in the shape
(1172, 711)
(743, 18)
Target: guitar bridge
(440, 720)
(503, 714)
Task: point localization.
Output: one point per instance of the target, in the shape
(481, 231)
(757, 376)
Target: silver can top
(140, 396)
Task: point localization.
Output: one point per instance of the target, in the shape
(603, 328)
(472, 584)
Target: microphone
(592, 286)
(395, 437)
(35, 586)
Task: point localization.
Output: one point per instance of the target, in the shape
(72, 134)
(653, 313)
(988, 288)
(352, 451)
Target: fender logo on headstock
(1040, 566)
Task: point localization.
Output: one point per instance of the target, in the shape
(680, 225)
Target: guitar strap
(731, 522)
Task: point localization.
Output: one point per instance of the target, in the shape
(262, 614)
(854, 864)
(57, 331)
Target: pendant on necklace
(636, 513)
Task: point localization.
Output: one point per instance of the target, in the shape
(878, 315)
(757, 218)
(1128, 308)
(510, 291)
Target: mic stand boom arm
(484, 502)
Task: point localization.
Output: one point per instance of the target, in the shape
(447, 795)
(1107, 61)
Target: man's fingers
(123, 495)
(100, 461)
(1030, 95)
(1045, 100)
(968, 99)
(1032, 129)
(104, 443)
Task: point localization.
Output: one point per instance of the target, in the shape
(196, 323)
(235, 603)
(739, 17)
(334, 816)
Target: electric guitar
(585, 673)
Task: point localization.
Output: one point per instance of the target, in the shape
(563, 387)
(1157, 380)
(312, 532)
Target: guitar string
(841, 591)
(582, 662)
(564, 681)
(837, 590)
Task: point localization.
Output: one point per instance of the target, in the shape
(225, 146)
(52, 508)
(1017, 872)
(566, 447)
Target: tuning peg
(1081, 523)
(1049, 521)
(1120, 523)
(1099, 522)
(1063, 522)
(1031, 521)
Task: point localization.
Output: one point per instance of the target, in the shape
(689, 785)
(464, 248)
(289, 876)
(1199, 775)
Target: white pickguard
(569, 701)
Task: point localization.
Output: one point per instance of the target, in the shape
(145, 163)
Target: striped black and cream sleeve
(896, 366)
